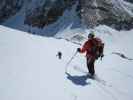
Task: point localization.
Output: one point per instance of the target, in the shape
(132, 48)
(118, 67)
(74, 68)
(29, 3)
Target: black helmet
(91, 35)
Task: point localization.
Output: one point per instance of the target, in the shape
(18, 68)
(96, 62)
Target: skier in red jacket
(94, 49)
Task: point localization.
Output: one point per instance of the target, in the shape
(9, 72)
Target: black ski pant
(90, 65)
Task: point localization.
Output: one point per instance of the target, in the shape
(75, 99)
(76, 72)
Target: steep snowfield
(30, 70)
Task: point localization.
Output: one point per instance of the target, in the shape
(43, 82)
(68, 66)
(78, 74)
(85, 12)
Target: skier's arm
(84, 48)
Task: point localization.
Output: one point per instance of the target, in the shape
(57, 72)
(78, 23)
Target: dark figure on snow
(59, 54)
(94, 49)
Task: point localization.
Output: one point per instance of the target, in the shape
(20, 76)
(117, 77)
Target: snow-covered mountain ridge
(57, 14)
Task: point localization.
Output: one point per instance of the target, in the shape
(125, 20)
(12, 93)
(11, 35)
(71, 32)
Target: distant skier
(94, 49)
(59, 54)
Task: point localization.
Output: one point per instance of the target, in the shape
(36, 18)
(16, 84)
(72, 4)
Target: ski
(95, 77)
(100, 83)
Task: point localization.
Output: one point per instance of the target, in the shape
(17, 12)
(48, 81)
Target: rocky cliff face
(114, 13)
(9, 8)
(117, 14)
(47, 13)
(129, 1)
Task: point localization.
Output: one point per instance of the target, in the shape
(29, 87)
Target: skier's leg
(88, 65)
(92, 69)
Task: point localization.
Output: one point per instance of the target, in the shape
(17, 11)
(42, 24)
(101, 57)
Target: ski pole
(70, 61)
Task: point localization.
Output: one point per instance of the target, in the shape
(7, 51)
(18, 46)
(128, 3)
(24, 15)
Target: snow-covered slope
(30, 70)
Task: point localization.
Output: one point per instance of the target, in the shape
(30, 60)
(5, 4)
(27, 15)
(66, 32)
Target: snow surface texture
(30, 70)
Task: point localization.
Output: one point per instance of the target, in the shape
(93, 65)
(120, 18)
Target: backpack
(97, 47)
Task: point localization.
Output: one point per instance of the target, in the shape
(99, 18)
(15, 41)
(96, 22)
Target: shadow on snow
(78, 80)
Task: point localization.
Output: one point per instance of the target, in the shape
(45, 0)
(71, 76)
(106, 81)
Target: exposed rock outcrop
(114, 13)
(48, 13)
(9, 8)
(117, 14)
(129, 1)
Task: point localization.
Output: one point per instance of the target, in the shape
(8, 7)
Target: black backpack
(97, 47)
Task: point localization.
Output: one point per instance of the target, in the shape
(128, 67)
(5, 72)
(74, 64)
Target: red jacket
(87, 47)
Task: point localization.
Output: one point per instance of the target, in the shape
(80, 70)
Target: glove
(78, 49)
